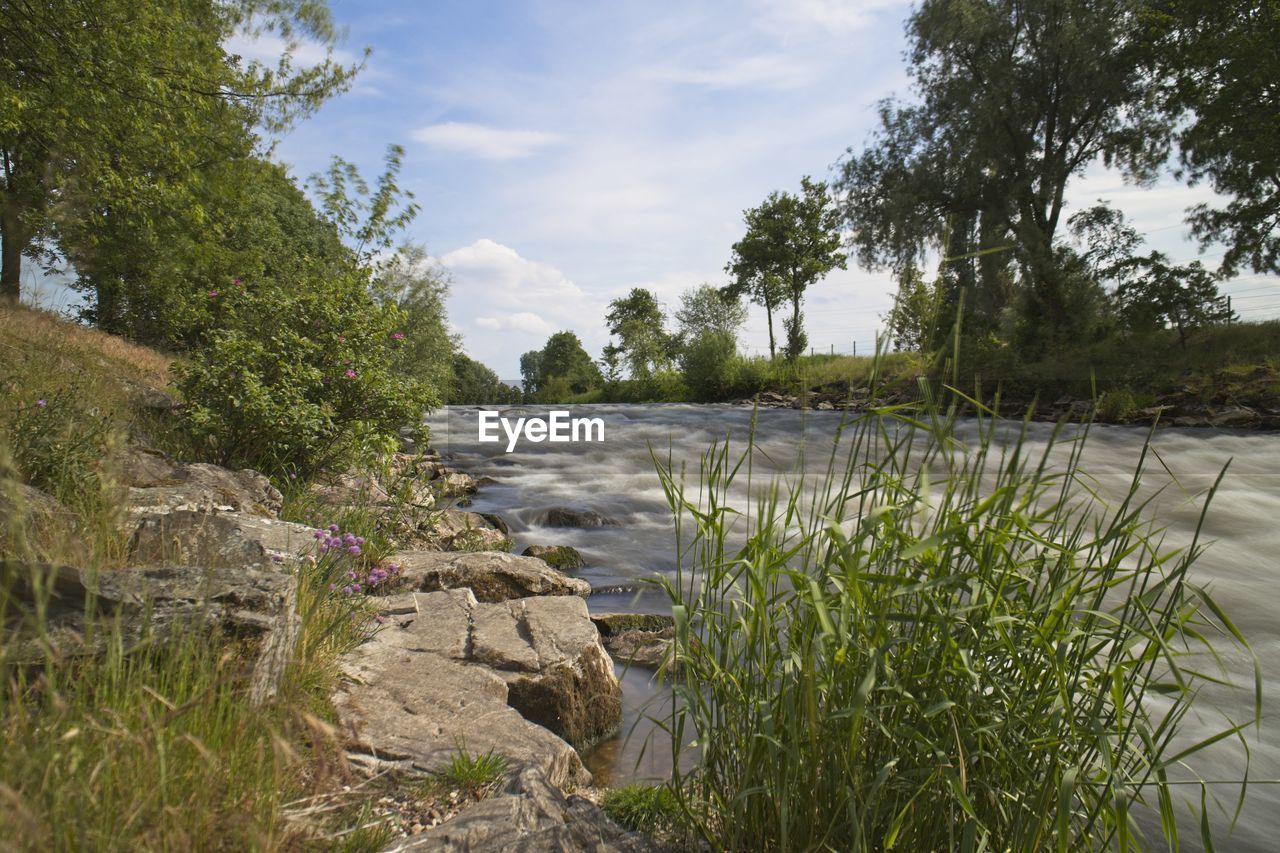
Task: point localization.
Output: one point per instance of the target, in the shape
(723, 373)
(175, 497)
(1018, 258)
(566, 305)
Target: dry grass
(33, 337)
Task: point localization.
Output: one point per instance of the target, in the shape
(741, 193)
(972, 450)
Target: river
(617, 477)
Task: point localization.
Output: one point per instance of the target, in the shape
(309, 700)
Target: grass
(651, 809)
(933, 646)
(473, 775)
(151, 745)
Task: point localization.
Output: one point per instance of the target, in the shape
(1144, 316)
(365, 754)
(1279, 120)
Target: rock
(610, 624)
(531, 816)
(217, 539)
(447, 672)
(643, 648)
(643, 639)
(1235, 417)
(455, 530)
(825, 406)
(491, 575)
(557, 671)
(560, 557)
(157, 484)
(496, 521)
(164, 602)
(455, 484)
(29, 512)
(564, 517)
(350, 489)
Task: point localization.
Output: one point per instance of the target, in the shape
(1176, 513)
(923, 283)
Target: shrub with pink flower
(349, 572)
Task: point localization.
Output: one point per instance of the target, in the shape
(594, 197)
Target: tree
(638, 322)
(1015, 98)
(1220, 61)
(708, 309)
(474, 384)
(418, 286)
(562, 365)
(1149, 292)
(110, 110)
(531, 372)
(913, 320)
(792, 241)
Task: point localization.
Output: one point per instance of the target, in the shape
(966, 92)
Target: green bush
(710, 365)
(297, 378)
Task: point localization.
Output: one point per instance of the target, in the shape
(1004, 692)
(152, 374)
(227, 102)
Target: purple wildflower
(41, 403)
(354, 550)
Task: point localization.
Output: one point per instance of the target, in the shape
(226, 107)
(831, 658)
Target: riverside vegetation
(945, 643)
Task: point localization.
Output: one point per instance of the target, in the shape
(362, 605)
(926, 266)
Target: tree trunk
(12, 242)
(768, 313)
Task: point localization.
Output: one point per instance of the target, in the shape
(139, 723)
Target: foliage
(148, 277)
(561, 368)
(418, 287)
(708, 309)
(947, 643)
(913, 321)
(475, 385)
(111, 112)
(368, 218)
(791, 242)
(638, 321)
(1220, 60)
(1150, 292)
(711, 365)
(299, 378)
(1014, 100)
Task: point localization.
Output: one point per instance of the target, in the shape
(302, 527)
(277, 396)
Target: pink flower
(213, 293)
(398, 336)
(351, 374)
(235, 281)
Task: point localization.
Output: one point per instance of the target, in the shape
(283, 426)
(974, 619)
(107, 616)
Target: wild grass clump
(473, 775)
(942, 644)
(651, 809)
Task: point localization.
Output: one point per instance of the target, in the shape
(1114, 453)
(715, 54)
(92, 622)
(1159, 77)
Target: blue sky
(565, 152)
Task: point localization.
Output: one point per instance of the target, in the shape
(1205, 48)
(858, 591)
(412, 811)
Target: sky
(566, 152)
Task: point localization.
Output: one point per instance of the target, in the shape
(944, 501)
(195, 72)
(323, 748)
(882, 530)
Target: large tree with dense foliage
(112, 112)
(561, 367)
(1014, 98)
(1220, 60)
(791, 242)
(639, 323)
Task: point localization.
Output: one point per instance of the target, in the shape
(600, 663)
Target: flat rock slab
(530, 816)
(225, 539)
(491, 575)
(157, 484)
(162, 603)
(519, 678)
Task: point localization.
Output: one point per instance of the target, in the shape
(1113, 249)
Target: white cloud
(511, 304)
(769, 71)
(489, 143)
(525, 321)
(268, 48)
(830, 16)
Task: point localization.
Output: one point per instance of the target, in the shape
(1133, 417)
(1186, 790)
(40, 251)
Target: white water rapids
(617, 478)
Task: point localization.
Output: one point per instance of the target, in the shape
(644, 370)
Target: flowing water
(617, 478)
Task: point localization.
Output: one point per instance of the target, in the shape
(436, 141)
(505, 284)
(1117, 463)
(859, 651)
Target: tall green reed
(937, 644)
